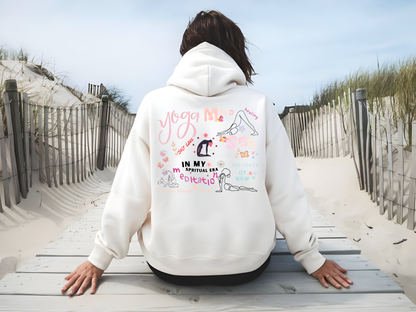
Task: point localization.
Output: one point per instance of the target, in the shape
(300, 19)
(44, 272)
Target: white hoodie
(206, 177)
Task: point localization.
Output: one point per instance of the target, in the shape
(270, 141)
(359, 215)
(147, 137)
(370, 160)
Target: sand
(44, 215)
(42, 87)
(332, 188)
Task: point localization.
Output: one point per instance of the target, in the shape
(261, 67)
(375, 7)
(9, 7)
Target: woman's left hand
(332, 273)
(80, 279)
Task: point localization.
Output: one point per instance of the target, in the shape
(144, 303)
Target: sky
(296, 47)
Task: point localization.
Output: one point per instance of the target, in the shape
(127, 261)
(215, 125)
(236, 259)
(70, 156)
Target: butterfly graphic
(245, 154)
(166, 159)
(162, 154)
(160, 165)
(165, 172)
(221, 119)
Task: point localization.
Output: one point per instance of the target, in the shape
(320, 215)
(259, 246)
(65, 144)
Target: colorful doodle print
(171, 180)
(177, 126)
(226, 173)
(235, 126)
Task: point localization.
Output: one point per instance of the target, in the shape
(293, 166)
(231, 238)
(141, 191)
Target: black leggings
(218, 280)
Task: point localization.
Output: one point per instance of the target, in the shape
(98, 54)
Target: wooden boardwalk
(129, 285)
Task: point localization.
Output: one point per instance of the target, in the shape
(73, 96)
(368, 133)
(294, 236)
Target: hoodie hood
(207, 70)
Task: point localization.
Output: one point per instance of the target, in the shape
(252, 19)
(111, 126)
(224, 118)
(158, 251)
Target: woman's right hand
(79, 280)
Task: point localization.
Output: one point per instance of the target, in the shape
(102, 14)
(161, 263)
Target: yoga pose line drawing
(233, 129)
(199, 148)
(171, 182)
(226, 173)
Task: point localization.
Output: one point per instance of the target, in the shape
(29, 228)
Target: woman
(193, 235)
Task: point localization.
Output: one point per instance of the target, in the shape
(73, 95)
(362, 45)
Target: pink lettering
(231, 142)
(172, 118)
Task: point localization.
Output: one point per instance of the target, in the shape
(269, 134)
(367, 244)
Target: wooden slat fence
(96, 89)
(384, 159)
(58, 144)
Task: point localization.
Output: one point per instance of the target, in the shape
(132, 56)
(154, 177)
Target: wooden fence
(96, 89)
(384, 160)
(56, 145)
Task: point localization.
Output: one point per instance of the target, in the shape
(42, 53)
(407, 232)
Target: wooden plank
(292, 133)
(400, 175)
(113, 143)
(41, 145)
(71, 130)
(85, 139)
(26, 139)
(343, 144)
(125, 131)
(390, 174)
(66, 147)
(138, 264)
(143, 284)
(306, 134)
(335, 129)
(314, 115)
(58, 117)
(323, 155)
(97, 134)
(367, 153)
(374, 158)
(83, 249)
(330, 141)
(5, 172)
(32, 142)
(14, 173)
(362, 146)
(93, 138)
(53, 126)
(219, 302)
(351, 119)
(46, 136)
(88, 139)
(302, 131)
(296, 134)
(77, 143)
(14, 106)
(82, 142)
(317, 133)
(309, 131)
(380, 165)
(347, 127)
(411, 211)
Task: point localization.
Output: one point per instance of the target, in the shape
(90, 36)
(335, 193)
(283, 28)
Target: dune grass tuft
(391, 91)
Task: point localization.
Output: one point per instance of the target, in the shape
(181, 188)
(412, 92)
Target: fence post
(361, 122)
(10, 87)
(103, 132)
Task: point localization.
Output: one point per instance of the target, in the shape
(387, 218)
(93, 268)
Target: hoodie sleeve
(288, 198)
(129, 201)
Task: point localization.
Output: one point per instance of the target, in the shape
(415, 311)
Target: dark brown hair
(215, 28)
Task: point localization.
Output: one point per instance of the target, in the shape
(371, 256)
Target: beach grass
(391, 91)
